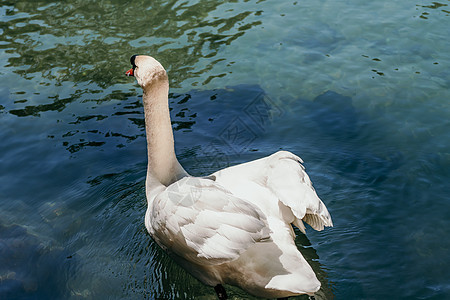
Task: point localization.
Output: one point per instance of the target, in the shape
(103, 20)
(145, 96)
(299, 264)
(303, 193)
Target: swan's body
(234, 226)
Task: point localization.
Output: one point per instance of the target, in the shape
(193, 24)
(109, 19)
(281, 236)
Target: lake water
(359, 90)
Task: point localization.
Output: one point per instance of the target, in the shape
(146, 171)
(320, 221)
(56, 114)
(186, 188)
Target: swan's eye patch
(130, 72)
(132, 60)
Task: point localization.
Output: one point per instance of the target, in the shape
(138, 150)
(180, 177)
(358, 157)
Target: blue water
(359, 90)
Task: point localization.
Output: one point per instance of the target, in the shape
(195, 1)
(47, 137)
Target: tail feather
(318, 222)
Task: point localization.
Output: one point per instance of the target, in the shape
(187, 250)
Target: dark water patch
(236, 118)
(56, 105)
(85, 118)
(311, 256)
(32, 267)
(78, 146)
(334, 114)
(434, 5)
(350, 133)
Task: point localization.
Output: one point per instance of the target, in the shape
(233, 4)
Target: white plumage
(234, 226)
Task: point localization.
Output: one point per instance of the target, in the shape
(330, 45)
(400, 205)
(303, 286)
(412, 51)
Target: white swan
(234, 226)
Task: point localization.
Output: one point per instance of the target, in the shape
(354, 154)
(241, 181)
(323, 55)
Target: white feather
(204, 221)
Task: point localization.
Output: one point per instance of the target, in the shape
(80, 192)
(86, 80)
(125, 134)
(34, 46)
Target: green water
(359, 90)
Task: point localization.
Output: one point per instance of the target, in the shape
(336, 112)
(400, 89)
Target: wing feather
(204, 223)
(287, 179)
(284, 176)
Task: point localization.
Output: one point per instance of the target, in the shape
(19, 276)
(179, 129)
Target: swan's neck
(163, 166)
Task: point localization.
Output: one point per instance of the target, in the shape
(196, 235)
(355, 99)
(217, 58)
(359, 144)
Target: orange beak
(130, 72)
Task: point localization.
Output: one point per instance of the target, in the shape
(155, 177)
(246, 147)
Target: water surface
(359, 90)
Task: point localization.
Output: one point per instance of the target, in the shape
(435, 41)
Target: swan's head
(147, 70)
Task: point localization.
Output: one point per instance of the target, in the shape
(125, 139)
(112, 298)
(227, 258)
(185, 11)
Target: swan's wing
(284, 176)
(287, 179)
(201, 221)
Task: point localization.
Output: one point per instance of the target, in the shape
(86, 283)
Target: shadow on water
(351, 134)
(311, 256)
(224, 125)
(236, 121)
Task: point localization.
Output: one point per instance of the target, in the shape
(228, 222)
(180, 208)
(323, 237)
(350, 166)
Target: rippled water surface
(360, 90)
